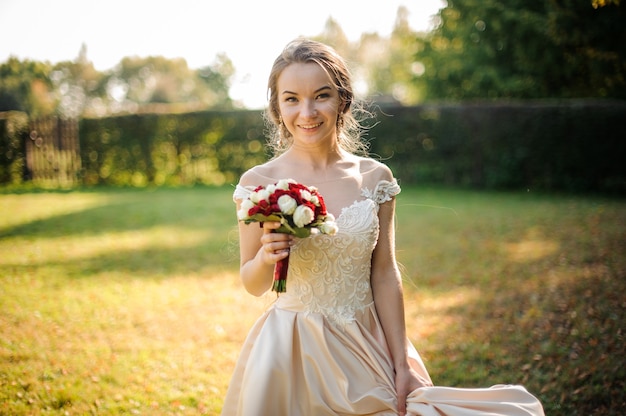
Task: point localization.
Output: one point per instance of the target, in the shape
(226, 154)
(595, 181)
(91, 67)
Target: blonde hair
(349, 129)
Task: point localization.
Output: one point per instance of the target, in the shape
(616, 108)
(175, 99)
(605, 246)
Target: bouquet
(300, 210)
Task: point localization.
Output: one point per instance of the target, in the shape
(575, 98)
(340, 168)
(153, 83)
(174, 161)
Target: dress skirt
(298, 363)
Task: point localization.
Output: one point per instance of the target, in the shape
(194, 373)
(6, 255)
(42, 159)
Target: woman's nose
(309, 109)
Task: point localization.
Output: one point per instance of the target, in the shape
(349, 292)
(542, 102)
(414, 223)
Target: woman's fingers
(270, 226)
(275, 245)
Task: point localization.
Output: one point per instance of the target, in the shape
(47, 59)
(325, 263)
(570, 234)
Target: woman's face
(309, 103)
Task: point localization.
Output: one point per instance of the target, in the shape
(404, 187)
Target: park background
(502, 120)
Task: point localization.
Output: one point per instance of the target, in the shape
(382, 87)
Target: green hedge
(13, 133)
(572, 146)
(171, 149)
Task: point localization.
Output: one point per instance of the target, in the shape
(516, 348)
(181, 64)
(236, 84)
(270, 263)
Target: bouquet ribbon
(280, 275)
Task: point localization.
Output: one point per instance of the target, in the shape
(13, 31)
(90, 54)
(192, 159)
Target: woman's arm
(388, 298)
(387, 286)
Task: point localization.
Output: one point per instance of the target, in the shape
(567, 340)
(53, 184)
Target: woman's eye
(291, 99)
(323, 95)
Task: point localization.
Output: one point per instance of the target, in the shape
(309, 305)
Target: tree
(217, 78)
(390, 63)
(77, 86)
(525, 49)
(26, 86)
(156, 83)
(334, 36)
(382, 68)
(592, 41)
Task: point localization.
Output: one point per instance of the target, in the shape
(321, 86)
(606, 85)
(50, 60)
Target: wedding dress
(320, 348)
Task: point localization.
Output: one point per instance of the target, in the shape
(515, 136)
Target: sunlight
(533, 246)
(430, 313)
(74, 247)
(33, 207)
(529, 250)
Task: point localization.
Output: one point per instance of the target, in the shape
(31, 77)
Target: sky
(250, 32)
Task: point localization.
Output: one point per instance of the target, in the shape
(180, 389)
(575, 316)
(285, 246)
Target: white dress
(320, 348)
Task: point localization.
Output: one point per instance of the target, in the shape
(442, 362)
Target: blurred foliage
(171, 149)
(568, 145)
(142, 84)
(383, 68)
(77, 86)
(13, 132)
(73, 89)
(525, 49)
(392, 76)
(26, 86)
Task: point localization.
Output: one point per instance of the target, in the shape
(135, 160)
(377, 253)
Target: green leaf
(262, 218)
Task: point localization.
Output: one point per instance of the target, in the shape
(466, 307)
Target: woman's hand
(274, 246)
(407, 380)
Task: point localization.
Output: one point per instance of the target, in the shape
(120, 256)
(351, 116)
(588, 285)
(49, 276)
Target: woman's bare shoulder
(375, 170)
(259, 175)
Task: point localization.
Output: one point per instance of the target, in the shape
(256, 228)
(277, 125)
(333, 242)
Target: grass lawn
(128, 301)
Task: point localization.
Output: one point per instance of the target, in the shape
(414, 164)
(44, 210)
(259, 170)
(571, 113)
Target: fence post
(52, 152)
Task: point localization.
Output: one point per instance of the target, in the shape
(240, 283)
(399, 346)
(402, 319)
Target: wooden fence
(53, 153)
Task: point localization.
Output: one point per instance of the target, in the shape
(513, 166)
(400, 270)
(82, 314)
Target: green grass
(519, 288)
(128, 301)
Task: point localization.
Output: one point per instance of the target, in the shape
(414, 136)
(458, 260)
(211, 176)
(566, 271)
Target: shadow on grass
(561, 337)
(203, 258)
(553, 325)
(143, 234)
(126, 211)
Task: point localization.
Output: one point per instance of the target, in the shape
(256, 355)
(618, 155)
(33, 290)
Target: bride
(335, 342)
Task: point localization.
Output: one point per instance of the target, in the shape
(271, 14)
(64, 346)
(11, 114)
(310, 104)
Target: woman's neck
(312, 160)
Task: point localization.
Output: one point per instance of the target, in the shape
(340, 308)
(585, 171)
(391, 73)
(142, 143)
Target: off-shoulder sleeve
(383, 192)
(242, 192)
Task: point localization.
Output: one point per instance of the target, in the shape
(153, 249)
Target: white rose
(283, 184)
(303, 216)
(306, 195)
(287, 204)
(246, 205)
(271, 188)
(254, 197)
(315, 200)
(329, 227)
(261, 195)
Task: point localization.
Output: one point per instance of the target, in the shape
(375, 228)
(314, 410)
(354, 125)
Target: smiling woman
(335, 342)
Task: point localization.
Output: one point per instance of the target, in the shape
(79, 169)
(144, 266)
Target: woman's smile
(310, 127)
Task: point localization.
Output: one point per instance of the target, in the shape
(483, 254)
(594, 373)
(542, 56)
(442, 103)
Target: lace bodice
(331, 274)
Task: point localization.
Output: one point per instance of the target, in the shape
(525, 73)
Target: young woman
(335, 342)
